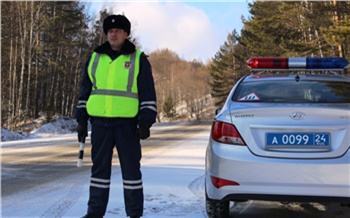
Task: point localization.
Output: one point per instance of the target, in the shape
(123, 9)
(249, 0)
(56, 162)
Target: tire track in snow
(65, 203)
(197, 188)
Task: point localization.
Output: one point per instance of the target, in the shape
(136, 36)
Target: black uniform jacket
(147, 94)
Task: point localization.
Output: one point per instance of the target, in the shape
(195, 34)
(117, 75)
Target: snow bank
(7, 135)
(60, 126)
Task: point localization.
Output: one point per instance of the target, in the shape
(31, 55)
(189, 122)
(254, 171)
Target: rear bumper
(287, 198)
(277, 179)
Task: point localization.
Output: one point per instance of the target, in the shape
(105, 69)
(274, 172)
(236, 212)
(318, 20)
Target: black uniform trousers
(103, 140)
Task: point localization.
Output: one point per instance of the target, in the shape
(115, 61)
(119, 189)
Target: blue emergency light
(297, 63)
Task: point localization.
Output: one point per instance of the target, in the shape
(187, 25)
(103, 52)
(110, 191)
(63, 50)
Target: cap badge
(113, 20)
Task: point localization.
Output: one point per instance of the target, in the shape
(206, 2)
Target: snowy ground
(173, 180)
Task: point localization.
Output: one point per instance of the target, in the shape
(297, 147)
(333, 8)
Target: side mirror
(217, 111)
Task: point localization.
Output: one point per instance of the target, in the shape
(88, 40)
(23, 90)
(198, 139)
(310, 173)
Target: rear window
(291, 91)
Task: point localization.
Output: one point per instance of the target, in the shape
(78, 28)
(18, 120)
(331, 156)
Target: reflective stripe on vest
(114, 85)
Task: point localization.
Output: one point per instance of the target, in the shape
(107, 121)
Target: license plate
(299, 140)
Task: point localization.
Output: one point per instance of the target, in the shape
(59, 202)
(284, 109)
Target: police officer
(117, 94)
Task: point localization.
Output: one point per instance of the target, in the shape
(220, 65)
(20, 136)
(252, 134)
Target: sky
(171, 188)
(192, 29)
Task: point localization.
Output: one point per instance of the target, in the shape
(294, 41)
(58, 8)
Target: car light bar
(297, 63)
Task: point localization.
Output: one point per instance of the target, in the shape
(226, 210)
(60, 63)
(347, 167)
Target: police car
(282, 135)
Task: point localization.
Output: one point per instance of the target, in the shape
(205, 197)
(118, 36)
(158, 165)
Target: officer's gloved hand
(82, 130)
(143, 132)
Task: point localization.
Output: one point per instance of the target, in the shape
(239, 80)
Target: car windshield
(291, 91)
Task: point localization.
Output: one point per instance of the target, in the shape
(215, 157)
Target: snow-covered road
(173, 177)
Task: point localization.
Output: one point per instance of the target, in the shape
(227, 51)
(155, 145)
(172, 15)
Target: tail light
(226, 133)
(218, 182)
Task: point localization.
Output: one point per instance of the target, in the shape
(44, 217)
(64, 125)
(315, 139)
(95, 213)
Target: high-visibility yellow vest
(114, 85)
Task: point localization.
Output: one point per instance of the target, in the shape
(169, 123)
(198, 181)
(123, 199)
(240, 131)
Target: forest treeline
(281, 29)
(45, 44)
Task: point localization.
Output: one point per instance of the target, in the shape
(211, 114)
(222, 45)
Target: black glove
(143, 132)
(82, 130)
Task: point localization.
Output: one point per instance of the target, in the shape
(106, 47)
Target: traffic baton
(81, 152)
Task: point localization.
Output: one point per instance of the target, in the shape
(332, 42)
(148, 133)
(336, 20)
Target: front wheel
(216, 208)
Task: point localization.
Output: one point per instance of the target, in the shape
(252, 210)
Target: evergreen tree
(337, 32)
(169, 108)
(277, 29)
(260, 34)
(297, 29)
(227, 67)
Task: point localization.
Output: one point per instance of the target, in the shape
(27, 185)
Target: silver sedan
(282, 135)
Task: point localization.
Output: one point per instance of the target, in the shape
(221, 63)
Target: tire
(216, 208)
